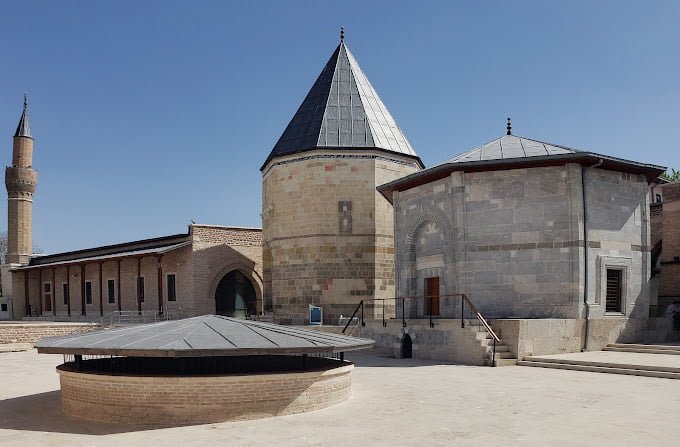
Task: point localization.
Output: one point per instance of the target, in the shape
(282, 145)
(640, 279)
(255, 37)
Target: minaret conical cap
(24, 127)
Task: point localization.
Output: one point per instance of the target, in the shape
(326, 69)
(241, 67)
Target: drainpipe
(585, 252)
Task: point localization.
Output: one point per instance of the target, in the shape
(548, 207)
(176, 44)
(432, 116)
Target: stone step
(499, 347)
(649, 349)
(600, 369)
(506, 362)
(603, 364)
(505, 355)
(643, 351)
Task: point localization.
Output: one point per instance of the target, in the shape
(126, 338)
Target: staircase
(503, 355)
(617, 358)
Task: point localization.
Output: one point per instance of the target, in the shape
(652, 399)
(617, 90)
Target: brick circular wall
(178, 400)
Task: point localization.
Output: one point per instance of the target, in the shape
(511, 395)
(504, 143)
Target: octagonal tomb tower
(328, 234)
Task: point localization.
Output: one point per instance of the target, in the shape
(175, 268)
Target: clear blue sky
(147, 114)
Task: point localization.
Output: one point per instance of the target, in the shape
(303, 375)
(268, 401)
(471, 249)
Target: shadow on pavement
(367, 359)
(42, 412)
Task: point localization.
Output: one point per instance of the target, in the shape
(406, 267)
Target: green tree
(674, 176)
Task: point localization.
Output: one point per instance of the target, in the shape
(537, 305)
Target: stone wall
(526, 337)
(328, 234)
(618, 237)
(199, 399)
(513, 241)
(669, 280)
(447, 341)
(32, 332)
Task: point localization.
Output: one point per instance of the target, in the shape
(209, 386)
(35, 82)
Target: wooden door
(432, 295)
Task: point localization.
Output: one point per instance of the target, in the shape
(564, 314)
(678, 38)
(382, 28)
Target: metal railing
(451, 306)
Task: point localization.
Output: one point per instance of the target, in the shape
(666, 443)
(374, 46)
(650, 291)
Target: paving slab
(395, 403)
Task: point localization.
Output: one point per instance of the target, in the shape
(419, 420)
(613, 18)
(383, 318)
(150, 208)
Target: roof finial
(342, 34)
(25, 100)
(509, 127)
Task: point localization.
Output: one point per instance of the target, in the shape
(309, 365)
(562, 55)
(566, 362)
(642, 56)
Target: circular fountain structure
(201, 370)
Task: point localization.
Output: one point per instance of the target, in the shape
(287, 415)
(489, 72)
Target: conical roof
(511, 147)
(207, 335)
(24, 127)
(342, 110)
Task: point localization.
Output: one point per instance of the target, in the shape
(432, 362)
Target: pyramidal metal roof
(511, 147)
(342, 110)
(24, 127)
(207, 335)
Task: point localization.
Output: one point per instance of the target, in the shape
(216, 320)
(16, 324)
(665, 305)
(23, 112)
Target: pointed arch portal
(235, 296)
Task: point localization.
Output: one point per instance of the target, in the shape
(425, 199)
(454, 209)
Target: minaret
(20, 180)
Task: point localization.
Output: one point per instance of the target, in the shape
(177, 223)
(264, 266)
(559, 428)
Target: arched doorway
(235, 296)
(406, 347)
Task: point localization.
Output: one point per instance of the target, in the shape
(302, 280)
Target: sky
(150, 114)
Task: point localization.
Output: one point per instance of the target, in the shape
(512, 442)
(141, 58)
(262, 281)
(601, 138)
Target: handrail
(480, 318)
(354, 314)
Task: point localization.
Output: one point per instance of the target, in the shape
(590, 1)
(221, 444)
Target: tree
(3, 246)
(674, 176)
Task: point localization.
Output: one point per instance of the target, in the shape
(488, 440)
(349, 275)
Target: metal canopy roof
(204, 336)
(342, 110)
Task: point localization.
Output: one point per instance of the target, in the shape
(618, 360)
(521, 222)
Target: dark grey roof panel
(207, 335)
(342, 110)
(24, 127)
(511, 147)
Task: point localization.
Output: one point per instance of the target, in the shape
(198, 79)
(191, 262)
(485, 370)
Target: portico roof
(155, 251)
(204, 336)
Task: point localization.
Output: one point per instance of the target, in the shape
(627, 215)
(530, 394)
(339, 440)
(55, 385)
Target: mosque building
(545, 239)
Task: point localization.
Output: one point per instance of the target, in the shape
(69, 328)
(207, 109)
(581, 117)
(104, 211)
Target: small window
(88, 292)
(140, 289)
(658, 198)
(613, 296)
(112, 291)
(65, 289)
(345, 216)
(47, 296)
(172, 294)
(3, 307)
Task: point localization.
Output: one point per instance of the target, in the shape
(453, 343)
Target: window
(3, 307)
(112, 291)
(613, 292)
(65, 289)
(140, 289)
(88, 292)
(47, 296)
(658, 198)
(345, 216)
(172, 294)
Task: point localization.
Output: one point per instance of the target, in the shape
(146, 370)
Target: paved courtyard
(395, 402)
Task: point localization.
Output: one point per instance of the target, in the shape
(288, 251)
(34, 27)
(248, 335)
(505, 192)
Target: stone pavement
(395, 402)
